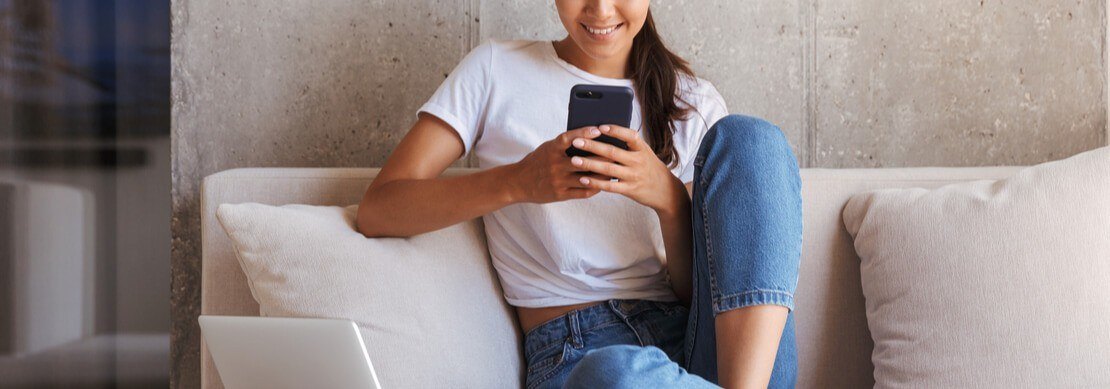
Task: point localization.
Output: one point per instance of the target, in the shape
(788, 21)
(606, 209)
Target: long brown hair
(654, 71)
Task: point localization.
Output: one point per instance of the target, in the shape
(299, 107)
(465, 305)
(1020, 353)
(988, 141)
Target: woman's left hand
(640, 175)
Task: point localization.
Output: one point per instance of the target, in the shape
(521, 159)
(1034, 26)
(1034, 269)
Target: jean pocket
(544, 363)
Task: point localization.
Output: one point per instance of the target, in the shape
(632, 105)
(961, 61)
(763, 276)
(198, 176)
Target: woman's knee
(748, 136)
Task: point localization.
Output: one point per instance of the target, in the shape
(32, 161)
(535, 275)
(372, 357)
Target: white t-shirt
(504, 99)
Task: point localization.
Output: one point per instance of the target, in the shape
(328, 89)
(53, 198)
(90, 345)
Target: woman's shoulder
(696, 88)
(493, 51)
(509, 44)
(498, 45)
(701, 95)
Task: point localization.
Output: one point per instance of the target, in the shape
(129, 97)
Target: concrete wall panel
(958, 83)
(520, 19)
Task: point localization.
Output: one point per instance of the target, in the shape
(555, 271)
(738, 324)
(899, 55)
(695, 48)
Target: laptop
(273, 352)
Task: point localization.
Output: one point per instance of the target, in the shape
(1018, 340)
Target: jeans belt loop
(574, 329)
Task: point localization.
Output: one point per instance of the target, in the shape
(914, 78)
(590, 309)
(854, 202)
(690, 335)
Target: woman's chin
(600, 52)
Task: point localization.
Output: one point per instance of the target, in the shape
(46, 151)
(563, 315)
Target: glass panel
(84, 193)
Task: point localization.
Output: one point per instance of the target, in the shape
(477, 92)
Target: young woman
(681, 272)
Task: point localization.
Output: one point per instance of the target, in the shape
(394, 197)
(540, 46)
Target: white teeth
(601, 32)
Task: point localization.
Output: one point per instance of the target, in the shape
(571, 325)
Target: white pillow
(990, 283)
(429, 307)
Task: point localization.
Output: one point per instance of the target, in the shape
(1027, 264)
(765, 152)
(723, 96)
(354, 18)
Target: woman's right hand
(546, 175)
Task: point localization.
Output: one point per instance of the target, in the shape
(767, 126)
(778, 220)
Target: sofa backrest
(834, 344)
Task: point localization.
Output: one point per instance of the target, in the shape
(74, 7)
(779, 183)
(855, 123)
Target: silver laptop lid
(270, 352)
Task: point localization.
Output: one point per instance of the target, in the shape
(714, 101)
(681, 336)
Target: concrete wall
(854, 83)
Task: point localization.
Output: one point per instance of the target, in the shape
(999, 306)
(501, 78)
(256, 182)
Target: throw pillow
(429, 307)
(990, 283)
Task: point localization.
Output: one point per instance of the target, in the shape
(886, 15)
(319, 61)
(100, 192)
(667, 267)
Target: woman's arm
(407, 197)
(678, 241)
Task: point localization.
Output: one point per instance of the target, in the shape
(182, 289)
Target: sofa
(834, 344)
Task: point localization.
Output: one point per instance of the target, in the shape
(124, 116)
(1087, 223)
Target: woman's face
(603, 28)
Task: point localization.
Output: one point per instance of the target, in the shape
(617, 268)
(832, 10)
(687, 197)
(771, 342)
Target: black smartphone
(593, 105)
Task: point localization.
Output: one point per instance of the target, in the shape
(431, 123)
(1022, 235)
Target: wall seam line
(809, 57)
(471, 10)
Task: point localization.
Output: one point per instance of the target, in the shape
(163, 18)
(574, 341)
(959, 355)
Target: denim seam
(551, 367)
(713, 292)
(629, 324)
(547, 362)
(604, 324)
(547, 347)
(753, 297)
(692, 320)
(691, 334)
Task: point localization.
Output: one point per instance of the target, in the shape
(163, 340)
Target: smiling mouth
(601, 32)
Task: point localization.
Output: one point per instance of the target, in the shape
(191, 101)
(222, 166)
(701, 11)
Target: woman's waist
(536, 303)
(531, 318)
(579, 319)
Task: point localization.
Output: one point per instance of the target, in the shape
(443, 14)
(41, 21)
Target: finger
(574, 179)
(580, 193)
(601, 166)
(629, 136)
(605, 150)
(606, 185)
(588, 132)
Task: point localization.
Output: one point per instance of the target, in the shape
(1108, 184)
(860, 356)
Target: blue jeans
(746, 216)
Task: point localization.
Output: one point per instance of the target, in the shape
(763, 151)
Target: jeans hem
(755, 297)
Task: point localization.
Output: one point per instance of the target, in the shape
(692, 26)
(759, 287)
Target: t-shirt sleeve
(460, 100)
(710, 106)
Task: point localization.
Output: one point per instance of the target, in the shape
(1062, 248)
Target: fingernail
(584, 180)
(579, 142)
(576, 161)
(594, 131)
(605, 128)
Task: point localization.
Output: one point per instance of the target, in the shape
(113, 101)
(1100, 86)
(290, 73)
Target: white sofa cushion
(429, 307)
(990, 283)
